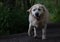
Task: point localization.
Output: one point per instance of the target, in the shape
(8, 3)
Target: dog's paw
(35, 35)
(43, 37)
(28, 33)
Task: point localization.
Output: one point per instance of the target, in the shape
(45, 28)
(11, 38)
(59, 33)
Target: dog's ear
(46, 12)
(44, 9)
(29, 10)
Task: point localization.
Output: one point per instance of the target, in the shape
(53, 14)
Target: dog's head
(36, 10)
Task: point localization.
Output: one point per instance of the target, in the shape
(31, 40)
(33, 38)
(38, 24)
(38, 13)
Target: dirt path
(53, 35)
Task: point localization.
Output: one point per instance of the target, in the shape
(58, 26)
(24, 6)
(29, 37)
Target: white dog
(38, 18)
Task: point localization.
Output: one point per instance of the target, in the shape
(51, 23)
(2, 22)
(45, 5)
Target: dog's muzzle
(37, 14)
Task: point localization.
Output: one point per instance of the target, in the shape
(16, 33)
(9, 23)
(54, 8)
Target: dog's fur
(38, 21)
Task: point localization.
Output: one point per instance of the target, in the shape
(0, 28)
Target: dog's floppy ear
(29, 10)
(44, 9)
(46, 12)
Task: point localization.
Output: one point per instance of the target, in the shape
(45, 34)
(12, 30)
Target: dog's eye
(39, 9)
(34, 9)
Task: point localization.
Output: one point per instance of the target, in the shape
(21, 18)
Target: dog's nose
(37, 14)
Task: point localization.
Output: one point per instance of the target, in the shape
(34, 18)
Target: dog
(38, 18)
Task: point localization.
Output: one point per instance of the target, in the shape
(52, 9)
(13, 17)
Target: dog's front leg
(44, 32)
(29, 30)
(35, 32)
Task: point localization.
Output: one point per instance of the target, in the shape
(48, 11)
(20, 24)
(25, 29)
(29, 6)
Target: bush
(15, 20)
(12, 21)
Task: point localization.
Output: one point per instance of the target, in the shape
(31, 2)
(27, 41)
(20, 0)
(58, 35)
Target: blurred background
(14, 16)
